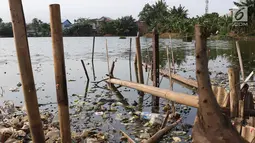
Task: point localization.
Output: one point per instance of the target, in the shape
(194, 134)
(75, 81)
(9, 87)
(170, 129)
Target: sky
(73, 9)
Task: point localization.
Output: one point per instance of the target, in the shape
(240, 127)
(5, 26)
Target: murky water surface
(99, 109)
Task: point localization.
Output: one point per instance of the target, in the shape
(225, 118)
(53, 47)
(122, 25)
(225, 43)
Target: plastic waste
(153, 117)
(99, 113)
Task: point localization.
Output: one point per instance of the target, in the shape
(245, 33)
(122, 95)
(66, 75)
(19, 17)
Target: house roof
(66, 22)
(104, 18)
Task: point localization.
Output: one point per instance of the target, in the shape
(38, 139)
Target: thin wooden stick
(170, 77)
(93, 71)
(169, 67)
(240, 59)
(130, 54)
(130, 140)
(247, 79)
(165, 120)
(171, 44)
(112, 69)
(26, 72)
(85, 70)
(189, 82)
(93, 48)
(60, 73)
(156, 137)
(107, 56)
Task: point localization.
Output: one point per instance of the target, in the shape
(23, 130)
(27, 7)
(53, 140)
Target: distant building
(66, 24)
(97, 22)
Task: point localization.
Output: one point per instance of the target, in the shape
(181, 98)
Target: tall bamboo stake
(136, 69)
(171, 48)
(26, 73)
(93, 48)
(130, 54)
(235, 96)
(107, 55)
(170, 77)
(155, 67)
(60, 72)
(169, 67)
(240, 59)
(139, 62)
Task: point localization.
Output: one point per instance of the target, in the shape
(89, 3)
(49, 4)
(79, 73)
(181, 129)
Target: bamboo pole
(130, 54)
(93, 48)
(181, 98)
(60, 72)
(136, 69)
(155, 68)
(26, 72)
(107, 55)
(139, 62)
(171, 48)
(240, 59)
(234, 80)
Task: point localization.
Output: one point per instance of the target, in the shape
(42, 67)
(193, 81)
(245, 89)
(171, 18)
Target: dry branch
(157, 136)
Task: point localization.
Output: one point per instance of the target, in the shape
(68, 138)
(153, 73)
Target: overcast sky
(72, 9)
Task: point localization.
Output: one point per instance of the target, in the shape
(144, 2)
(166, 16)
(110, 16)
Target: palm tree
(179, 12)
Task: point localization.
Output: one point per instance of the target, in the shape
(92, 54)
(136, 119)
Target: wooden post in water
(60, 72)
(93, 48)
(130, 54)
(240, 59)
(136, 69)
(155, 70)
(234, 80)
(139, 62)
(26, 72)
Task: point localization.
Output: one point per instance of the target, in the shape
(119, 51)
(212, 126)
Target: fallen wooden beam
(179, 78)
(180, 98)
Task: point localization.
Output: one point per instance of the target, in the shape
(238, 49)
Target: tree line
(159, 15)
(175, 19)
(124, 26)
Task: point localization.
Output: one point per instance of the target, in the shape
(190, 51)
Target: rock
(21, 133)
(177, 139)
(5, 133)
(53, 135)
(25, 127)
(12, 141)
(144, 135)
(91, 140)
(87, 133)
(19, 84)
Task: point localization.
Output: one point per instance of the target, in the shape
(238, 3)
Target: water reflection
(221, 53)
